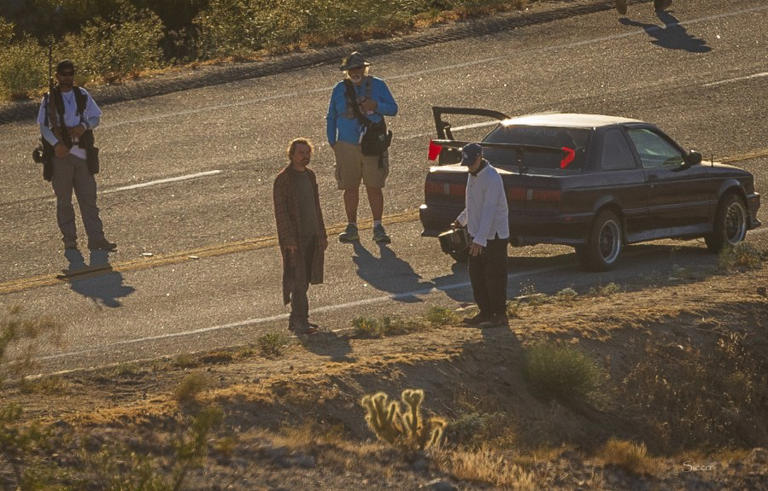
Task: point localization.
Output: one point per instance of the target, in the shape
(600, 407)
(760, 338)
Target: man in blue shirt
(345, 134)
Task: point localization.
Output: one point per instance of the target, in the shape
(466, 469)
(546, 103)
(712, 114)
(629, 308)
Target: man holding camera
(486, 217)
(358, 102)
(67, 116)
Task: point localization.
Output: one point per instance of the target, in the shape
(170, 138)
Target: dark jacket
(288, 233)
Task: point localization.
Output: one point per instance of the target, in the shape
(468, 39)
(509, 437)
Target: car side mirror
(692, 158)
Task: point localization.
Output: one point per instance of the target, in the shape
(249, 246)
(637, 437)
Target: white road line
(263, 320)
(162, 181)
(737, 79)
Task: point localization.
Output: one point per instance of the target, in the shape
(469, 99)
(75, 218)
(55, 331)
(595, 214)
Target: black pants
(299, 301)
(488, 275)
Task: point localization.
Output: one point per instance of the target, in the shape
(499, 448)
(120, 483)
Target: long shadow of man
(672, 35)
(389, 273)
(104, 286)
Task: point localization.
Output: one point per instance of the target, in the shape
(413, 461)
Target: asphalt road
(700, 72)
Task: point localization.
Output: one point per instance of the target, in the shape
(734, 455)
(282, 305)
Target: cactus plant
(404, 428)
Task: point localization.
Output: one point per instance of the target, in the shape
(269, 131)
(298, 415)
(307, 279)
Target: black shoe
(477, 319)
(102, 245)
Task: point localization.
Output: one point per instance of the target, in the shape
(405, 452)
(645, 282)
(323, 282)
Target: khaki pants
(352, 167)
(71, 173)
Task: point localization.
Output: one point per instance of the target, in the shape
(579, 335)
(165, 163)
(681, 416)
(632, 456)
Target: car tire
(730, 226)
(604, 243)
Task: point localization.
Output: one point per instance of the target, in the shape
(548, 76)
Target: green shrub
(23, 69)
(441, 316)
(371, 327)
(561, 372)
(272, 344)
(605, 290)
(110, 50)
(190, 387)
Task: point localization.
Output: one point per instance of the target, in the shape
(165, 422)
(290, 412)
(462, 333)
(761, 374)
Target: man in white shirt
(66, 117)
(486, 217)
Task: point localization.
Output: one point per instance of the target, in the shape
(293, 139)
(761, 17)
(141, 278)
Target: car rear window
(554, 157)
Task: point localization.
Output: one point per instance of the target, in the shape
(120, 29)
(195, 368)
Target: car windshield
(554, 156)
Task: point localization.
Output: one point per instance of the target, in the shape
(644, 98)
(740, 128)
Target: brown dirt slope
(682, 399)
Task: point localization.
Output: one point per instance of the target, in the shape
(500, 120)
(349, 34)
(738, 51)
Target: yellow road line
(214, 250)
(754, 154)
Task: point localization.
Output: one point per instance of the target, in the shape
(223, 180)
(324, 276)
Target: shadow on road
(105, 288)
(388, 272)
(672, 35)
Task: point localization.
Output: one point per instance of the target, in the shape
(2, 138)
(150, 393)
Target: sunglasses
(67, 74)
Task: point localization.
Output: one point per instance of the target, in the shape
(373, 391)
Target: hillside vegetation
(111, 40)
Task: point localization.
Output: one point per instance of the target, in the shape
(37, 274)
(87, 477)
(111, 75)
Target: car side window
(616, 152)
(654, 150)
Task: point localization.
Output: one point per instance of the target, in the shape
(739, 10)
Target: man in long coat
(301, 233)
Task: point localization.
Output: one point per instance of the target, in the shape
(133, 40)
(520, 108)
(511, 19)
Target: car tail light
(570, 154)
(515, 194)
(434, 150)
(432, 188)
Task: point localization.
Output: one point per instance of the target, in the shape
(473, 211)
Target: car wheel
(604, 244)
(730, 225)
(460, 257)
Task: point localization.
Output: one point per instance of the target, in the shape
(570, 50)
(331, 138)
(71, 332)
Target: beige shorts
(352, 167)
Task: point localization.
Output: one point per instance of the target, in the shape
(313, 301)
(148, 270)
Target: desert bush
(19, 444)
(630, 456)
(743, 255)
(706, 396)
(605, 290)
(402, 426)
(114, 48)
(441, 316)
(190, 387)
(272, 344)
(372, 327)
(566, 295)
(23, 69)
(561, 372)
(117, 466)
(475, 429)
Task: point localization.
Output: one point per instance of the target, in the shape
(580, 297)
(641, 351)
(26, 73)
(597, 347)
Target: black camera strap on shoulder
(352, 99)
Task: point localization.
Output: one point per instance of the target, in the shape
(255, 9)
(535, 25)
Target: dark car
(593, 182)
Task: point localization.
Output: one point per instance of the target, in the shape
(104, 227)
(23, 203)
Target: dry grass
(630, 456)
(484, 465)
(740, 257)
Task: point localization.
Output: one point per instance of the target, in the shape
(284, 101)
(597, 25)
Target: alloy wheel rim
(735, 223)
(609, 241)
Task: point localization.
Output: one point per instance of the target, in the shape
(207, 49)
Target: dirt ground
(684, 375)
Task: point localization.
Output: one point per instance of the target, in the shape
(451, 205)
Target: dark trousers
(299, 302)
(488, 275)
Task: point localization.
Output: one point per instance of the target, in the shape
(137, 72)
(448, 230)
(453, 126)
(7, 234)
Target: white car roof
(567, 120)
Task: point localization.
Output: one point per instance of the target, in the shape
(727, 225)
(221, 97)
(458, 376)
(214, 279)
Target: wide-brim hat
(354, 60)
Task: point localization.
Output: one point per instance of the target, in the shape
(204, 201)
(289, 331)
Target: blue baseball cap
(469, 153)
